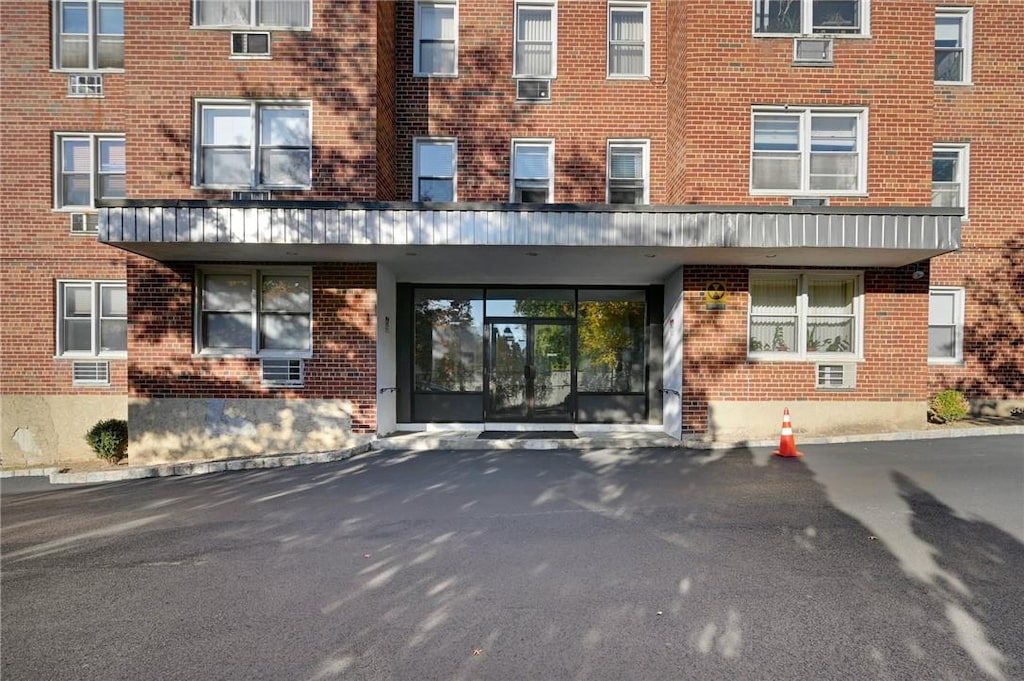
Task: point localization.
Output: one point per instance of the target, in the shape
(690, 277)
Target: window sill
(87, 71)
(954, 83)
(946, 362)
(251, 27)
(837, 36)
(248, 188)
(445, 76)
(789, 193)
(77, 357)
(209, 354)
(806, 359)
(643, 77)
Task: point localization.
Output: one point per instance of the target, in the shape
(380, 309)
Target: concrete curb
(187, 469)
(980, 431)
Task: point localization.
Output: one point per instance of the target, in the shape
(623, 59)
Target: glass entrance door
(530, 371)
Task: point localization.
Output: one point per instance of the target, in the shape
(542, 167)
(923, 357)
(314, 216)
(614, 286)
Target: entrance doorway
(530, 372)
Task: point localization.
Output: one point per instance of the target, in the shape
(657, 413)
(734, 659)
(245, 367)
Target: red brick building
(284, 225)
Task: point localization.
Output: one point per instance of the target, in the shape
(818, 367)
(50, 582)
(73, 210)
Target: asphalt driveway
(862, 561)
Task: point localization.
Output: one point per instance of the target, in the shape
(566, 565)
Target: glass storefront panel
(535, 303)
(610, 333)
(448, 330)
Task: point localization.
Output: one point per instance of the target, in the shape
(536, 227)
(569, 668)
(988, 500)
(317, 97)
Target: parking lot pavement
(883, 560)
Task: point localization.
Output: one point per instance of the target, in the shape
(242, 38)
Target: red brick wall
(344, 362)
(168, 65)
(727, 71)
(479, 106)
(715, 365)
(989, 114)
(387, 141)
(36, 245)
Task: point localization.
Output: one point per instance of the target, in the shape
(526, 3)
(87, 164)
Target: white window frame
(806, 115)
(807, 22)
(516, 144)
(966, 16)
(958, 294)
(803, 278)
(255, 107)
(95, 287)
(417, 144)
(253, 23)
(645, 144)
(535, 4)
(255, 311)
(645, 8)
(963, 152)
(93, 36)
(418, 38)
(93, 139)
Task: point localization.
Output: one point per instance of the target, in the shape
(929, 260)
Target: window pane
(627, 25)
(942, 308)
(286, 293)
(113, 301)
(777, 16)
(448, 340)
(227, 127)
(834, 171)
(77, 335)
(834, 133)
(74, 18)
(627, 60)
(533, 59)
(227, 292)
(227, 330)
(284, 127)
(835, 16)
(288, 13)
(531, 162)
(74, 52)
(78, 301)
(437, 57)
(948, 32)
(75, 191)
(776, 133)
(437, 22)
(942, 342)
(285, 332)
(111, 187)
(223, 12)
(534, 24)
(111, 18)
(944, 166)
(627, 195)
(110, 53)
(113, 335)
(627, 163)
(829, 334)
(776, 171)
(226, 166)
(773, 296)
(948, 66)
(773, 334)
(830, 297)
(111, 156)
(534, 48)
(610, 344)
(285, 167)
(77, 156)
(435, 160)
(531, 303)
(436, 190)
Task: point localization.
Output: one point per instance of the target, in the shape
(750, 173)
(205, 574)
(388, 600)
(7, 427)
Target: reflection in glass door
(530, 370)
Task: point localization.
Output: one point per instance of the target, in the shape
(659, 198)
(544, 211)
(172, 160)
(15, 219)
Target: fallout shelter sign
(715, 294)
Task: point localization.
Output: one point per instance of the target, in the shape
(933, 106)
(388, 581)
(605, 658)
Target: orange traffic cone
(787, 445)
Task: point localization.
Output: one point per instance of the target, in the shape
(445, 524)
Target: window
(287, 14)
(805, 314)
(253, 145)
(434, 170)
(808, 151)
(437, 39)
(949, 175)
(92, 318)
(88, 167)
(535, 41)
(953, 45)
(628, 166)
(945, 324)
(629, 34)
(610, 344)
(264, 312)
(533, 164)
(89, 35)
(448, 340)
(803, 17)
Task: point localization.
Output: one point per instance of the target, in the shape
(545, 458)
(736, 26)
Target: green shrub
(948, 405)
(109, 439)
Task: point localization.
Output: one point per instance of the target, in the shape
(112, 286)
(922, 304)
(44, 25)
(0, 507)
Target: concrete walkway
(470, 440)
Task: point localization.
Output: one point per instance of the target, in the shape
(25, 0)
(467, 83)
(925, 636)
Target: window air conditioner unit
(90, 373)
(812, 51)
(841, 376)
(282, 372)
(250, 196)
(85, 223)
(533, 90)
(85, 85)
(250, 44)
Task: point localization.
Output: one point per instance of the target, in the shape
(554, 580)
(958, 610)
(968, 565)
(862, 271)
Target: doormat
(527, 435)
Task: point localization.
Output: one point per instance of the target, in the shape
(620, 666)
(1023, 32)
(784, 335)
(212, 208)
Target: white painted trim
(645, 7)
(966, 13)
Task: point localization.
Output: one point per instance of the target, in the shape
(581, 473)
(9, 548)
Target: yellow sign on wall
(715, 294)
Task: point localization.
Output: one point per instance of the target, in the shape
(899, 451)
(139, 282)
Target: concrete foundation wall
(763, 420)
(168, 430)
(49, 430)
